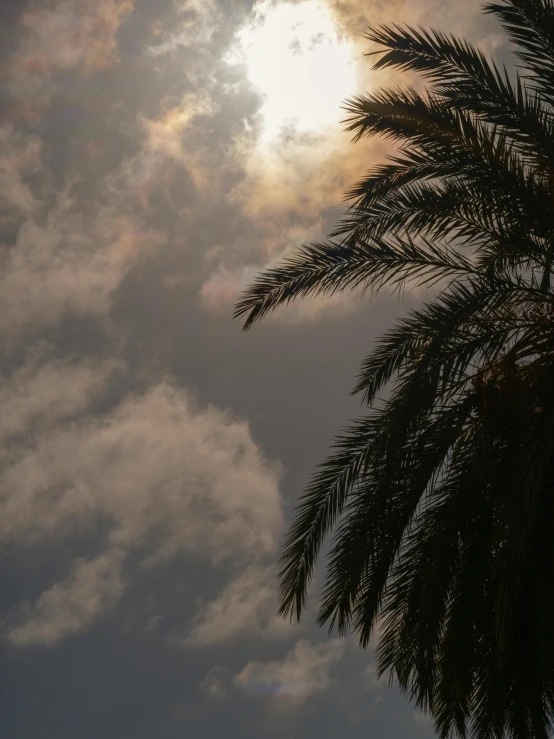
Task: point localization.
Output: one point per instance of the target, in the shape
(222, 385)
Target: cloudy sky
(154, 155)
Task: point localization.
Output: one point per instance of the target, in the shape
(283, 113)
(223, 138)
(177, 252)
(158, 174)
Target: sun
(295, 58)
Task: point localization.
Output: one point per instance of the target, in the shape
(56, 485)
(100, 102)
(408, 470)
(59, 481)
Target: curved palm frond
(462, 327)
(440, 503)
(530, 25)
(463, 73)
(330, 267)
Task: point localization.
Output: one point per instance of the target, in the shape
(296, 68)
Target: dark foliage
(442, 498)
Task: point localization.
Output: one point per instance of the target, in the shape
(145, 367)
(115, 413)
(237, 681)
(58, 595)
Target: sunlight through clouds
(296, 59)
(155, 155)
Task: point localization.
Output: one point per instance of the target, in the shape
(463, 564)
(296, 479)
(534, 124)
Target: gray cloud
(288, 683)
(91, 590)
(41, 393)
(246, 606)
(55, 37)
(199, 20)
(215, 684)
(168, 477)
(71, 263)
(20, 158)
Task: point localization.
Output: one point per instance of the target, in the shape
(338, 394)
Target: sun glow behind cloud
(295, 57)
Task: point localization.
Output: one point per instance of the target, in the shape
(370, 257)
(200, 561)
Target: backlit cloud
(294, 179)
(165, 143)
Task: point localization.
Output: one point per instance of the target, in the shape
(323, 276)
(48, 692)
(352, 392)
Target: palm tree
(442, 498)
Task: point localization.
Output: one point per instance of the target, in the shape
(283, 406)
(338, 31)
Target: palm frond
(320, 508)
(470, 321)
(530, 25)
(324, 269)
(464, 73)
(440, 503)
(370, 535)
(455, 141)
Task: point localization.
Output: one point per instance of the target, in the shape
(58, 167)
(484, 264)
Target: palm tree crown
(442, 498)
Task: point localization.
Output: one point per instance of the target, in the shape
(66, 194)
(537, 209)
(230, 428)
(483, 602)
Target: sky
(155, 155)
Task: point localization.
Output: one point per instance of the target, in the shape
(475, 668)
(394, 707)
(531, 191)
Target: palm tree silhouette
(442, 498)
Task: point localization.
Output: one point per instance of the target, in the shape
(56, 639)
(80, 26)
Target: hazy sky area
(154, 156)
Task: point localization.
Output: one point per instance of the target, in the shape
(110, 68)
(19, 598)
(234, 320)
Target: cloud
(289, 191)
(422, 719)
(167, 477)
(152, 623)
(290, 194)
(223, 286)
(71, 34)
(38, 395)
(370, 679)
(61, 36)
(91, 590)
(292, 187)
(65, 253)
(72, 263)
(287, 684)
(196, 27)
(170, 478)
(246, 606)
(20, 158)
(215, 685)
(467, 19)
(166, 143)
